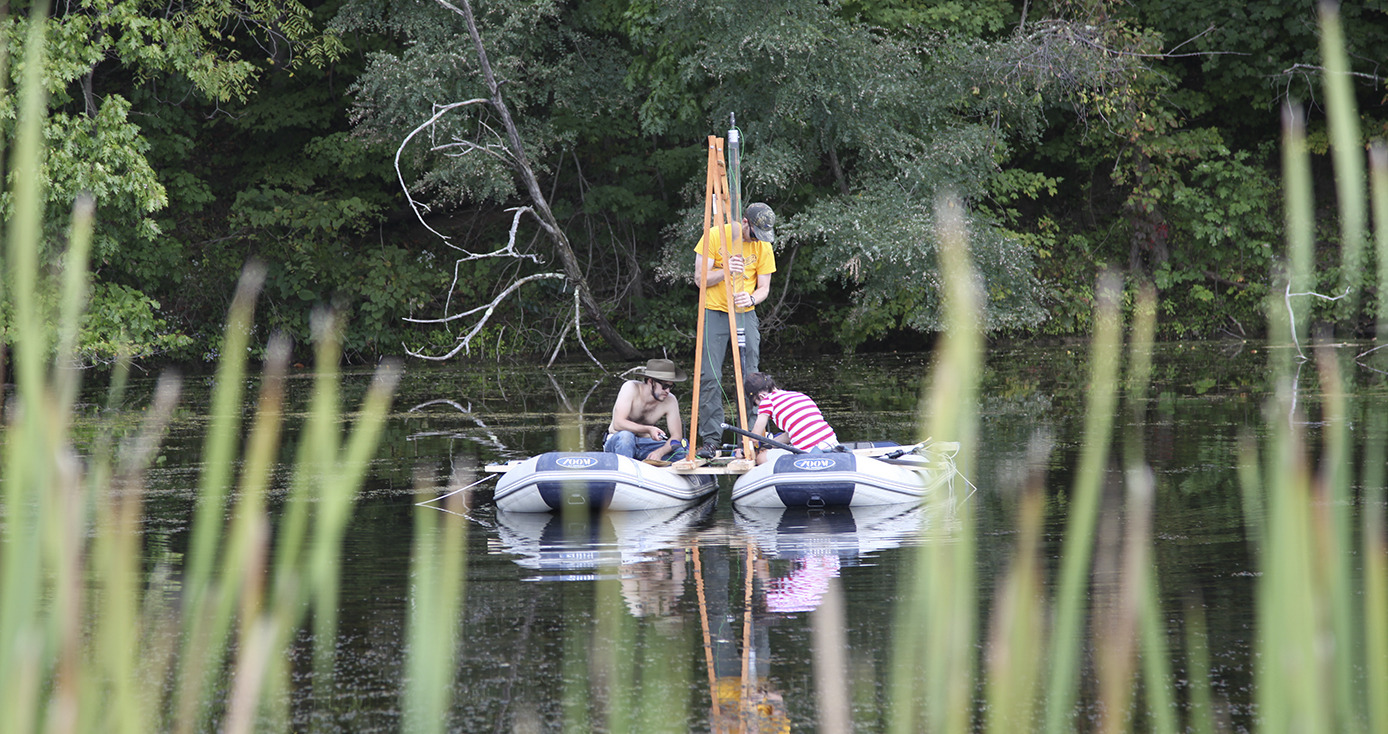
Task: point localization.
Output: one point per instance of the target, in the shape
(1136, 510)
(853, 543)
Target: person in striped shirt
(793, 412)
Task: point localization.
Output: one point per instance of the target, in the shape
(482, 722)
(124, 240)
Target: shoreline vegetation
(93, 639)
(541, 185)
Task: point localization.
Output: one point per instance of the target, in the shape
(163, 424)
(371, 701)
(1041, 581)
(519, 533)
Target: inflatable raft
(596, 480)
(847, 478)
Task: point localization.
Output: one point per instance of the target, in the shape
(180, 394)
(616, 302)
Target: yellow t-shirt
(757, 259)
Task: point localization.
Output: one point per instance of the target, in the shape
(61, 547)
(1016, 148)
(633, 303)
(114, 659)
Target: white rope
(450, 494)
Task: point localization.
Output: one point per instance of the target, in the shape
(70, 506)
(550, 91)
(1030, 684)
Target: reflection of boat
(642, 547)
(841, 479)
(847, 532)
(597, 480)
(547, 541)
(818, 542)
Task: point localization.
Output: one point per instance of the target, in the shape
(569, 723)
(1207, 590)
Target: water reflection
(645, 547)
(744, 577)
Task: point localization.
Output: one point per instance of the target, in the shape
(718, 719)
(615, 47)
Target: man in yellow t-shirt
(751, 272)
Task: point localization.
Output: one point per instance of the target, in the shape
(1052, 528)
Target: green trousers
(717, 339)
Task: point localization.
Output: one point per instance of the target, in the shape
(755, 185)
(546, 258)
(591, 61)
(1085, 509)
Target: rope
(429, 503)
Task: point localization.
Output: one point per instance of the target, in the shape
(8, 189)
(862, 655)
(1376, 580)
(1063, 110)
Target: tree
(492, 154)
(99, 52)
(852, 131)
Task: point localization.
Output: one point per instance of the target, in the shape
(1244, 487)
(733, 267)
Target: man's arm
(672, 418)
(744, 299)
(715, 275)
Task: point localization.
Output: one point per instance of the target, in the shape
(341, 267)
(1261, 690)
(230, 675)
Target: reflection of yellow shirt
(757, 259)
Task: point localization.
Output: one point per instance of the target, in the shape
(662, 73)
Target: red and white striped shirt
(796, 414)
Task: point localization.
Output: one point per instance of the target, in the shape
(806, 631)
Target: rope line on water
(450, 494)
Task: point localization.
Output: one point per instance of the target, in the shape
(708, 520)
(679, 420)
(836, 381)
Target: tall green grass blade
(1335, 531)
(1375, 572)
(207, 609)
(338, 498)
(116, 559)
(219, 447)
(664, 683)
(950, 673)
(1251, 493)
(576, 688)
(24, 232)
(321, 562)
(1378, 167)
(932, 666)
(1156, 669)
(244, 559)
(22, 657)
(317, 450)
(439, 565)
(1063, 684)
(1156, 651)
(1015, 645)
(1202, 715)
(1342, 117)
(1299, 222)
(829, 625)
(1293, 674)
(614, 643)
(74, 301)
(1375, 459)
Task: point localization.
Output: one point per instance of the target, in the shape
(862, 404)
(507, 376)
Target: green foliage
(975, 19)
(118, 323)
(855, 133)
(216, 133)
(124, 323)
(886, 251)
(373, 287)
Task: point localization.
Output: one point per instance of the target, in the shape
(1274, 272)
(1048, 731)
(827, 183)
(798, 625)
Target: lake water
(546, 601)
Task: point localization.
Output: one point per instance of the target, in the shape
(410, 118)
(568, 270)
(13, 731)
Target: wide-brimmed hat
(663, 370)
(762, 221)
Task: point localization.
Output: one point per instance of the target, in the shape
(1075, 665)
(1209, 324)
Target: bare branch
(1194, 37)
(512, 152)
(465, 342)
(578, 332)
(470, 146)
(1294, 68)
(415, 206)
(1291, 315)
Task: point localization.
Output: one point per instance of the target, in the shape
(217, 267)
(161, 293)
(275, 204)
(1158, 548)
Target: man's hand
(743, 299)
(655, 433)
(735, 265)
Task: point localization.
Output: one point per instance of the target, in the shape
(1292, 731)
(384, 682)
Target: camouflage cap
(762, 220)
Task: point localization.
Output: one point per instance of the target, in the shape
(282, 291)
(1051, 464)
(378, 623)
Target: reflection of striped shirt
(802, 590)
(794, 413)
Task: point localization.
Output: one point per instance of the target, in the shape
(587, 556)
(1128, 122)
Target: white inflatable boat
(596, 480)
(847, 478)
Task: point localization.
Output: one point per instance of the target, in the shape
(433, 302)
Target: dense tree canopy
(1082, 134)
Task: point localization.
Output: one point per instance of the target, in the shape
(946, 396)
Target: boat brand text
(813, 464)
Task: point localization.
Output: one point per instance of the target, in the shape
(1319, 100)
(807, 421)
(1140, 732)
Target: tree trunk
(551, 226)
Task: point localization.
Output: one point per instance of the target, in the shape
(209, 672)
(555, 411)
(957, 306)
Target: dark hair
(758, 382)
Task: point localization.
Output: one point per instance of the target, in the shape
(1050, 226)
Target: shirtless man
(640, 405)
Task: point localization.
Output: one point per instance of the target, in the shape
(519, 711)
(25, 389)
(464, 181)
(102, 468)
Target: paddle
(763, 439)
